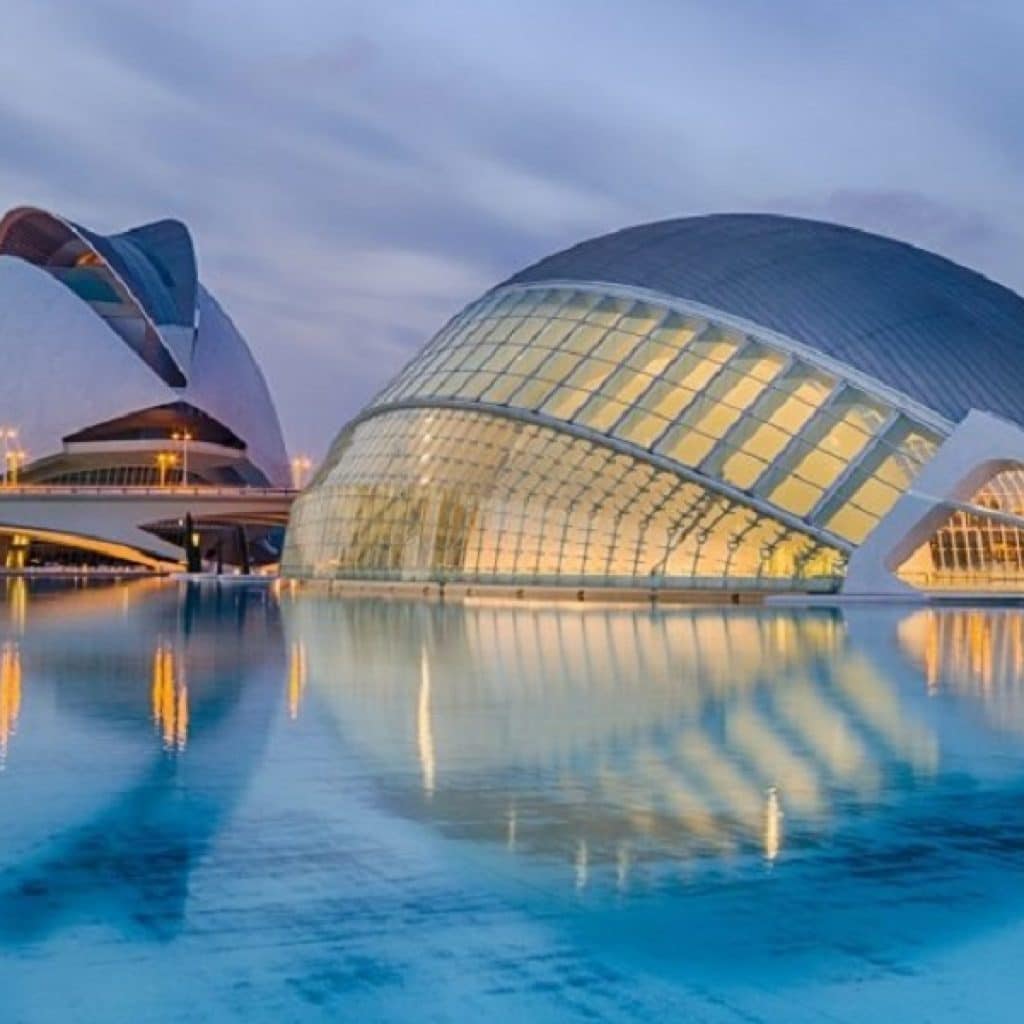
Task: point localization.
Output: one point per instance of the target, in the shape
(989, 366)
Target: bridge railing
(143, 491)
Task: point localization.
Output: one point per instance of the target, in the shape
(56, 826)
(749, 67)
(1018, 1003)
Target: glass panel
(600, 413)
(685, 446)
(651, 357)
(502, 389)
(626, 385)
(677, 330)
(691, 371)
(742, 470)
(883, 474)
(558, 366)
(532, 393)
(565, 402)
(608, 311)
(554, 333)
(796, 495)
(583, 338)
(641, 319)
(667, 400)
(642, 428)
(590, 374)
(616, 346)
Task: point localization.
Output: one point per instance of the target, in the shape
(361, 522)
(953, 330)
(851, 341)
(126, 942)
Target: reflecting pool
(254, 803)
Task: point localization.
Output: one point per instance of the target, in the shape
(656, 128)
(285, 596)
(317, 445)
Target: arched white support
(979, 447)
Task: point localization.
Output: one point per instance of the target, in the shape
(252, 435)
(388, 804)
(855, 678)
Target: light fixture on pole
(13, 461)
(184, 436)
(7, 434)
(301, 464)
(164, 460)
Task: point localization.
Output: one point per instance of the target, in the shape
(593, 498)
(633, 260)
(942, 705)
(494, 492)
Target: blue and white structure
(121, 371)
(108, 330)
(737, 402)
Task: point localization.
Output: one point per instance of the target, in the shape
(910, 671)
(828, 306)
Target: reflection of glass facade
(981, 544)
(421, 493)
(606, 438)
(705, 732)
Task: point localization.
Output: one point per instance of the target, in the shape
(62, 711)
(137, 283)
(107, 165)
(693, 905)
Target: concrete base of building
(914, 598)
(461, 592)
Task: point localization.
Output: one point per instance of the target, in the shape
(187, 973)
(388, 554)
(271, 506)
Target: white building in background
(121, 370)
(735, 402)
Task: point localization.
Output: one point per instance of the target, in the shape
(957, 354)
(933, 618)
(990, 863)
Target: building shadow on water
(157, 677)
(698, 784)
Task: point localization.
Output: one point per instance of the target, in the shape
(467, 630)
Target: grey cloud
(356, 174)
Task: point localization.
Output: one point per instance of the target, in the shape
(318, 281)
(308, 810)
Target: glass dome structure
(735, 402)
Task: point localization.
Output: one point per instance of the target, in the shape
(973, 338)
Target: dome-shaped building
(734, 401)
(113, 347)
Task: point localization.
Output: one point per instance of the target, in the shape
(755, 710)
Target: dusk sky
(353, 173)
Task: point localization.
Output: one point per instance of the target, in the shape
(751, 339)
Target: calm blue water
(244, 805)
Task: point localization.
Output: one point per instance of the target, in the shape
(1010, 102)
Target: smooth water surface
(265, 805)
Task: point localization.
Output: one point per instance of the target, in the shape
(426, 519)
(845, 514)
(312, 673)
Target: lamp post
(7, 434)
(13, 461)
(300, 466)
(184, 436)
(163, 461)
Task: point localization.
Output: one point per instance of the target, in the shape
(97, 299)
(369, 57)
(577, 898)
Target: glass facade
(980, 545)
(707, 397)
(561, 434)
(461, 495)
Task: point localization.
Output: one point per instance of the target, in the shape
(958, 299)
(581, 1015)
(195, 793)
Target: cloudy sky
(355, 172)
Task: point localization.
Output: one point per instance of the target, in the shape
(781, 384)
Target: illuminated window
(976, 547)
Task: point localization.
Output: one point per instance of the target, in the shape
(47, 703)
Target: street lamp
(13, 461)
(7, 434)
(300, 466)
(184, 436)
(163, 461)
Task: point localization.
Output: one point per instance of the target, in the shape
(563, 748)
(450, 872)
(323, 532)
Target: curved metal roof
(943, 335)
(154, 265)
(158, 262)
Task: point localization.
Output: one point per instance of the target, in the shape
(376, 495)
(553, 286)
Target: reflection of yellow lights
(296, 678)
(786, 706)
(581, 865)
(17, 552)
(17, 601)
(170, 700)
(772, 825)
(623, 862)
(978, 652)
(424, 731)
(10, 695)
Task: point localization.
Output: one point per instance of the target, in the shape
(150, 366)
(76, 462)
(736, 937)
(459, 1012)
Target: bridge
(113, 521)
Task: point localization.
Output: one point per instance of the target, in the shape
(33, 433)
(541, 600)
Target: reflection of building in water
(602, 734)
(973, 651)
(296, 678)
(424, 729)
(170, 700)
(10, 695)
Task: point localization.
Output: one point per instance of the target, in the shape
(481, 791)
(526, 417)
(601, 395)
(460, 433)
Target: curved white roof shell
(97, 327)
